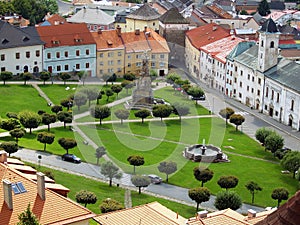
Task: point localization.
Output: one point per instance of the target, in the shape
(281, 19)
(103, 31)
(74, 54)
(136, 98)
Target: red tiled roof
(56, 18)
(66, 34)
(219, 11)
(55, 209)
(206, 34)
(107, 39)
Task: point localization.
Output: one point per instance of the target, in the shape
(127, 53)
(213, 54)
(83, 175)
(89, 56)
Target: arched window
(267, 92)
(292, 105)
(272, 96)
(272, 44)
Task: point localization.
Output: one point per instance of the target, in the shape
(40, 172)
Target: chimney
(3, 157)
(202, 214)
(119, 30)
(214, 28)
(137, 31)
(41, 185)
(251, 213)
(7, 191)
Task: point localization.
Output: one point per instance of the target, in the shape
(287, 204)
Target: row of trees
(228, 199)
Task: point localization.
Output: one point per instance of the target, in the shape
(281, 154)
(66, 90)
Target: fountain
(205, 153)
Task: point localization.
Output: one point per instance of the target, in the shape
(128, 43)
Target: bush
(110, 205)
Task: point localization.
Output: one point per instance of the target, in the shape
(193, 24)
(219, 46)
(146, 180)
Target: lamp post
(39, 160)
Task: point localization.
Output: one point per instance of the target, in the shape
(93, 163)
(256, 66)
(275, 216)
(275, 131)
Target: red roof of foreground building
(65, 35)
(206, 34)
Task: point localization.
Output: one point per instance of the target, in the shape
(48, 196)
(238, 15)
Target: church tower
(268, 46)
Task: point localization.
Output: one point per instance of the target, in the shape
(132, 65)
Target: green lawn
(16, 98)
(103, 191)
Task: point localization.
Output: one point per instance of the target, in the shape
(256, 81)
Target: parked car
(155, 179)
(201, 98)
(71, 158)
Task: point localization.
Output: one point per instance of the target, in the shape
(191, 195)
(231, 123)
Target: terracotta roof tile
(219, 11)
(53, 210)
(148, 214)
(66, 35)
(103, 38)
(206, 34)
(56, 18)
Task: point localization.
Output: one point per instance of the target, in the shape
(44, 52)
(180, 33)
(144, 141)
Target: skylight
(18, 188)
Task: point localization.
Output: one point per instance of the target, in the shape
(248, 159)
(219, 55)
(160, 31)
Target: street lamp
(39, 160)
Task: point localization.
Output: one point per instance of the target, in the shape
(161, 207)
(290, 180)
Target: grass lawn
(16, 98)
(103, 191)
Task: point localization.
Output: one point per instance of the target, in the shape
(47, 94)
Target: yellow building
(145, 16)
(120, 53)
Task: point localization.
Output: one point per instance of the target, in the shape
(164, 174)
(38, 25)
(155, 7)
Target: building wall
(110, 62)
(65, 59)
(29, 60)
(192, 57)
(232, 23)
(132, 25)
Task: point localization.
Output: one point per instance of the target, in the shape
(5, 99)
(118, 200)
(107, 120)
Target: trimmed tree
(172, 77)
(280, 194)
(108, 93)
(86, 197)
(167, 167)
(5, 75)
(80, 99)
(162, 111)
(26, 77)
(110, 205)
(65, 77)
(100, 112)
(64, 117)
(56, 109)
(116, 88)
(228, 182)
(129, 76)
(263, 8)
(261, 134)
(122, 114)
(100, 151)
(195, 92)
(291, 162)
(9, 147)
(99, 97)
(9, 124)
(237, 120)
(30, 120)
(142, 113)
(45, 75)
(67, 143)
(253, 188)
(226, 113)
(140, 181)
(135, 160)
(17, 133)
(127, 85)
(203, 175)
(274, 142)
(67, 103)
(91, 93)
(47, 119)
(180, 109)
(109, 170)
(228, 199)
(27, 217)
(199, 195)
(45, 138)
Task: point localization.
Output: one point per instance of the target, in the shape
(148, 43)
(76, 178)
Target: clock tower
(268, 46)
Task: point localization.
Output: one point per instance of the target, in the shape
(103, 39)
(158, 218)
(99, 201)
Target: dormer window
(55, 42)
(25, 38)
(77, 38)
(4, 41)
(109, 42)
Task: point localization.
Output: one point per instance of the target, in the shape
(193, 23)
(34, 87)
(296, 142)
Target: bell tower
(268, 46)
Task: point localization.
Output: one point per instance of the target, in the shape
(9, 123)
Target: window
(252, 78)
(129, 57)
(101, 71)
(272, 44)
(267, 92)
(259, 80)
(129, 64)
(162, 56)
(119, 53)
(153, 24)
(240, 95)
(248, 76)
(262, 44)
(258, 92)
(2, 69)
(119, 62)
(37, 53)
(266, 107)
(101, 55)
(77, 66)
(66, 67)
(58, 68)
(272, 95)
(235, 80)
(77, 53)
(235, 69)
(17, 55)
(17, 67)
(137, 56)
(248, 88)
(101, 63)
(292, 105)
(27, 55)
(87, 65)
(153, 64)
(110, 54)
(66, 54)
(110, 62)
(277, 99)
(241, 73)
(110, 70)
(119, 69)
(252, 90)
(162, 64)
(58, 55)
(241, 84)
(152, 56)
(48, 55)
(138, 64)
(2, 57)
(87, 52)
